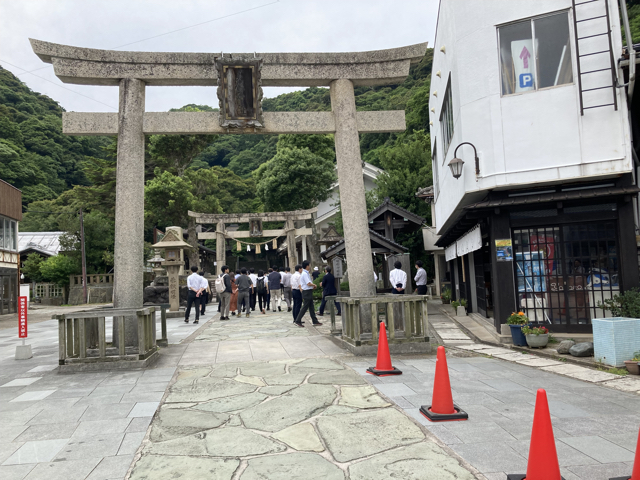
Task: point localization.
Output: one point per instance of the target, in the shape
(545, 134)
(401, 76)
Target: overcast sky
(250, 25)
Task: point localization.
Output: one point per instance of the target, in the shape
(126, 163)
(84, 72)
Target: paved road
(257, 398)
(596, 427)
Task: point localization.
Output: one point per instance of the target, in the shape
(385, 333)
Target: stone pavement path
(449, 334)
(296, 414)
(76, 426)
(596, 428)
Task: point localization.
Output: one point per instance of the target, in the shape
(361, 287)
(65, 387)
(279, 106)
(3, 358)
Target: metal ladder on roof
(597, 66)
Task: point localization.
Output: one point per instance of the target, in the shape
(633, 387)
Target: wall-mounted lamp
(433, 110)
(456, 167)
(442, 49)
(435, 93)
(439, 73)
(456, 164)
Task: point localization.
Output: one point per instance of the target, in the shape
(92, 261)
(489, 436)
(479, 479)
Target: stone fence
(99, 288)
(48, 293)
(405, 317)
(83, 341)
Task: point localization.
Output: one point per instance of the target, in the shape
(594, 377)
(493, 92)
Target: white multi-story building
(544, 218)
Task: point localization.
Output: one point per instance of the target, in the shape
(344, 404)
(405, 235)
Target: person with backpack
(223, 287)
(274, 288)
(262, 289)
(245, 286)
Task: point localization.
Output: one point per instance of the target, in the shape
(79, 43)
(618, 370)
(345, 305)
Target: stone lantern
(172, 244)
(156, 264)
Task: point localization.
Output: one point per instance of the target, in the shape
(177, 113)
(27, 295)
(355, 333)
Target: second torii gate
(239, 78)
(221, 219)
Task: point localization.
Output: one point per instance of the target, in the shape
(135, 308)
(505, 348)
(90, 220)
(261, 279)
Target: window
(8, 234)
(446, 119)
(434, 158)
(565, 273)
(527, 65)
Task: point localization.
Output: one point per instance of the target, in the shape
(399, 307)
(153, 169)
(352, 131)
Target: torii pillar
(353, 204)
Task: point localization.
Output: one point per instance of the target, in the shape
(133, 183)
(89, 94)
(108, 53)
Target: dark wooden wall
(10, 201)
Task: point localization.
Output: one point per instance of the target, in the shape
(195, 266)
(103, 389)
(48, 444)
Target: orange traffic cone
(635, 475)
(442, 408)
(383, 362)
(543, 458)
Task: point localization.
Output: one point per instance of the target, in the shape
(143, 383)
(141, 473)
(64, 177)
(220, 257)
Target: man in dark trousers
(205, 295)
(245, 288)
(196, 284)
(225, 297)
(328, 289)
(274, 288)
(307, 286)
(296, 291)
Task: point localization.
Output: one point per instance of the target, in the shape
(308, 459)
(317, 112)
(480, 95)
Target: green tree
(31, 268)
(175, 153)
(58, 268)
(294, 179)
(407, 167)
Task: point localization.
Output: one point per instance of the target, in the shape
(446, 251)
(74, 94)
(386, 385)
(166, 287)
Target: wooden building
(10, 215)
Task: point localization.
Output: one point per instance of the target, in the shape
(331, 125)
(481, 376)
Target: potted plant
(516, 322)
(537, 337)
(446, 296)
(455, 304)
(633, 365)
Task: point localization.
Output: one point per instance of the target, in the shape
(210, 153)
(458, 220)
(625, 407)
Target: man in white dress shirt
(307, 286)
(398, 279)
(420, 279)
(196, 284)
(296, 293)
(254, 280)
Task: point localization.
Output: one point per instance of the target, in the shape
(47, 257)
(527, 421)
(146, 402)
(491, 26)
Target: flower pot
(518, 337)
(537, 341)
(633, 366)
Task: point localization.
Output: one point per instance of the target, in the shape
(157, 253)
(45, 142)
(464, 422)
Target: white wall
(526, 139)
(369, 175)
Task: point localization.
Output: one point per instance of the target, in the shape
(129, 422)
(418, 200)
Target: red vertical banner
(22, 317)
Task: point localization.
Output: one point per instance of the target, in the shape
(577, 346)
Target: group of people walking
(240, 292)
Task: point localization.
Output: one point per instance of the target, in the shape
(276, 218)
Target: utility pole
(84, 260)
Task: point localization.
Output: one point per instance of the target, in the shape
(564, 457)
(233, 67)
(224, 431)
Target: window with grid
(565, 273)
(446, 119)
(535, 53)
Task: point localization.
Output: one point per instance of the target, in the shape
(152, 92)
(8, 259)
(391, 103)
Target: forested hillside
(34, 154)
(219, 173)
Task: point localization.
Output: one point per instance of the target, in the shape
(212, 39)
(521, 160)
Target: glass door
(564, 273)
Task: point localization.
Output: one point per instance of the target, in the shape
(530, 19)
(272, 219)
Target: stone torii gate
(239, 78)
(221, 219)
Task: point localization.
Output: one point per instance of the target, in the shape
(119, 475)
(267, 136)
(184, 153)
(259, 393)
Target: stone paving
(257, 398)
(75, 426)
(596, 428)
(449, 334)
(286, 419)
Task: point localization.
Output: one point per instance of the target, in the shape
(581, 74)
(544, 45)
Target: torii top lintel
(88, 66)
